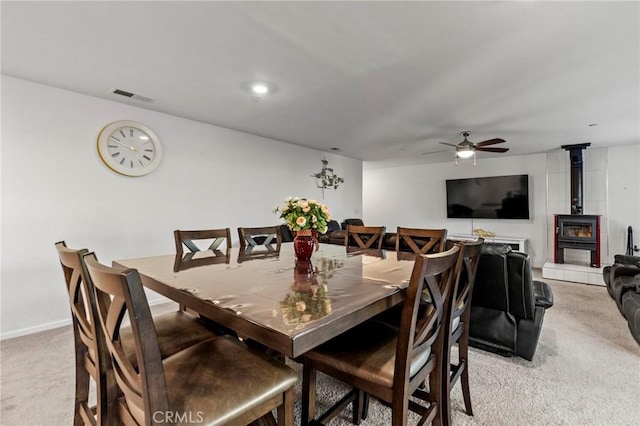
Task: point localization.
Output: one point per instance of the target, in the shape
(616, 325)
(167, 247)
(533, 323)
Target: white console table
(518, 244)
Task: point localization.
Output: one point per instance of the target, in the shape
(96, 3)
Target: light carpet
(586, 371)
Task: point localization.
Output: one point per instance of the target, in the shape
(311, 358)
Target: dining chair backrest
(471, 258)
(366, 237)
(215, 238)
(265, 235)
(188, 239)
(90, 358)
(425, 328)
(458, 329)
(421, 241)
(118, 293)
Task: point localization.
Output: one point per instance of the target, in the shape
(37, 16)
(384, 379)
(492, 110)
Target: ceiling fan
(467, 149)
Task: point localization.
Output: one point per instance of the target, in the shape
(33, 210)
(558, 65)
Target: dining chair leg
(285, 410)
(444, 409)
(365, 406)
(400, 412)
(82, 393)
(438, 384)
(463, 348)
(358, 407)
(308, 394)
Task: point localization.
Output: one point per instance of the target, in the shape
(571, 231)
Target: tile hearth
(573, 272)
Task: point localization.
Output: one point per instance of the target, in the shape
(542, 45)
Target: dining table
(263, 293)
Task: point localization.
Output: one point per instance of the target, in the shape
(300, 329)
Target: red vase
(303, 244)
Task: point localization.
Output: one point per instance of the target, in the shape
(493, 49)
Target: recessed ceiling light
(260, 88)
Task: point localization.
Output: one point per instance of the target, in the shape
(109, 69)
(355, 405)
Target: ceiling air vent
(131, 95)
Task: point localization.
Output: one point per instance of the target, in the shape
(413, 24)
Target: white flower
(301, 306)
(301, 221)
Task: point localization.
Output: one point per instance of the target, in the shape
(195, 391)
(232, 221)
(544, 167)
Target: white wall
(415, 196)
(623, 188)
(54, 187)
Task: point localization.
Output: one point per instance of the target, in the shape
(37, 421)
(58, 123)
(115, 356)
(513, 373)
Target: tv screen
(496, 197)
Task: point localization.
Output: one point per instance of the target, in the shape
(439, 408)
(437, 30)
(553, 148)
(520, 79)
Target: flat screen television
(495, 197)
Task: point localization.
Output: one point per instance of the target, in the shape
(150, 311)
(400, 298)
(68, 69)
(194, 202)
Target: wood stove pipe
(577, 186)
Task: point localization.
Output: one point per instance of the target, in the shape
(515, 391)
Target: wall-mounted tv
(495, 197)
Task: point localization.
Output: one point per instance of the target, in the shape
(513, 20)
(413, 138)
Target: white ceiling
(381, 81)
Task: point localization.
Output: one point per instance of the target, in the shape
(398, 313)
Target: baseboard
(36, 329)
(58, 324)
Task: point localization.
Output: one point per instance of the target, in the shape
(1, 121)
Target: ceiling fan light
(465, 153)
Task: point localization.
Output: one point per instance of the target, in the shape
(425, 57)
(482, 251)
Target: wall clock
(129, 148)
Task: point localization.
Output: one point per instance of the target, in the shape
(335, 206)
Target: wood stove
(576, 230)
(581, 232)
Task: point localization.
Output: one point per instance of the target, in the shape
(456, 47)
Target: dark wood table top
(266, 296)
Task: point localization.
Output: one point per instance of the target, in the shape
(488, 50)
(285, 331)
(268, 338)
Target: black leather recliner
(623, 283)
(508, 306)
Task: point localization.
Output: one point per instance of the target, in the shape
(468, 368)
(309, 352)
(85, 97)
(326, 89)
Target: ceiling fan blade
(450, 144)
(490, 142)
(492, 149)
(436, 152)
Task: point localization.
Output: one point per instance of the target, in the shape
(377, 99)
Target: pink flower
(301, 221)
(301, 306)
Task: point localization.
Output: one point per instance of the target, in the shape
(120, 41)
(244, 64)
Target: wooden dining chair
(392, 363)
(459, 329)
(216, 382)
(90, 360)
(266, 235)
(365, 237)
(189, 239)
(177, 331)
(421, 241)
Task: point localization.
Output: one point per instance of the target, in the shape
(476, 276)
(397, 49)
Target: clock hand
(137, 156)
(126, 146)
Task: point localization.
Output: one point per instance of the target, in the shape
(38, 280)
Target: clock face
(129, 148)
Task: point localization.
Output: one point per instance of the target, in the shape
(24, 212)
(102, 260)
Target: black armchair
(623, 283)
(508, 306)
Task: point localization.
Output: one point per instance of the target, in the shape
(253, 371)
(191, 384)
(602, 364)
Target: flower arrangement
(300, 214)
